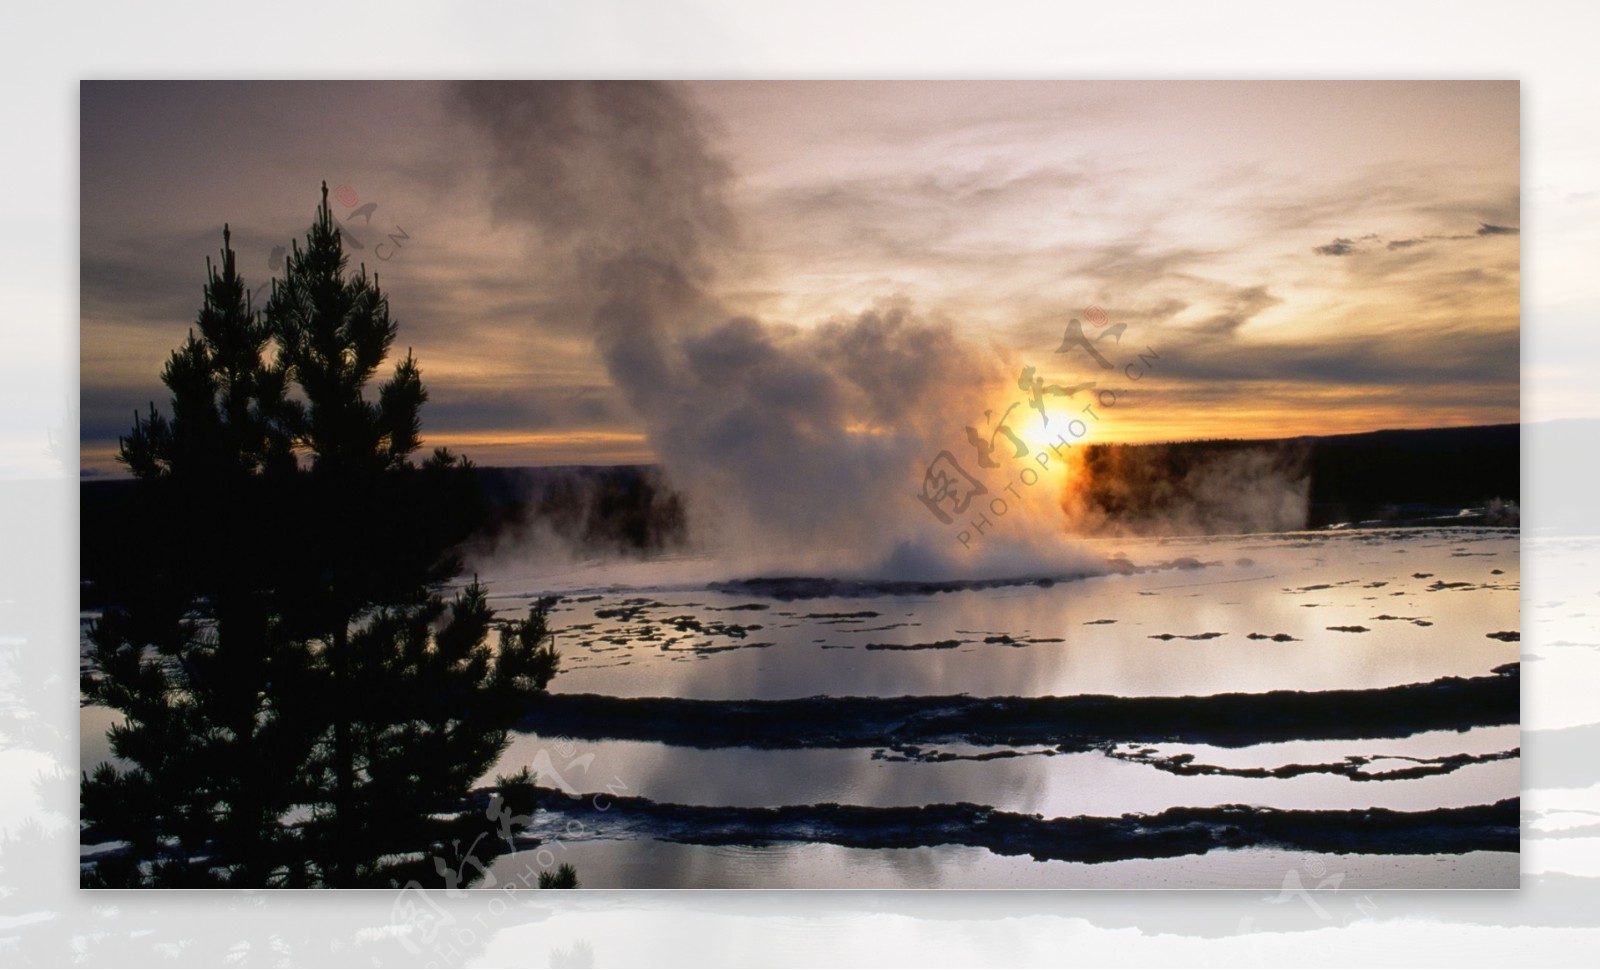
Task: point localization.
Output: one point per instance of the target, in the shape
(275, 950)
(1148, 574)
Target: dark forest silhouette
(1392, 478)
(301, 708)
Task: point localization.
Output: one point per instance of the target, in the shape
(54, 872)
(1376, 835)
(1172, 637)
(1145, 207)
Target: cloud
(575, 243)
(1345, 247)
(1243, 304)
(1416, 359)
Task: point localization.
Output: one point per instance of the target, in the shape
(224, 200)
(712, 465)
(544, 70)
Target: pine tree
(194, 711)
(228, 401)
(301, 707)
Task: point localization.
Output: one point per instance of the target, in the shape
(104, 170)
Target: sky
(1302, 257)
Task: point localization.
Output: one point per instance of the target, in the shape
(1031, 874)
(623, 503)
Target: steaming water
(1052, 785)
(1298, 585)
(1428, 602)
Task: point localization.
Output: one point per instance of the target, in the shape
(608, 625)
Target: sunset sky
(1307, 257)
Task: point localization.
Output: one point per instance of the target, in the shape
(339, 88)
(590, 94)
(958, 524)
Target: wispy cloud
(1274, 236)
(1345, 247)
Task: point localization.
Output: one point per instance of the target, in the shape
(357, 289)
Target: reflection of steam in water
(1039, 627)
(1173, 832)
(1004, 632)
(1182, 609)
(1044, 780)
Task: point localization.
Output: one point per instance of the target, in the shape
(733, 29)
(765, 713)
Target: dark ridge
(1395, 477)
(1187, 636)
(1091, 839)
(936, 645)
(1353, 767)
(600, 509)
(614, 508)
(791, 588)
(1081, 722)
(913, 754)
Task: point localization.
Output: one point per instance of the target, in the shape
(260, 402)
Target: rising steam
(794, 442)
(798, 448)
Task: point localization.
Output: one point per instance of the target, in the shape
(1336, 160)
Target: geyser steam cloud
(788, 440)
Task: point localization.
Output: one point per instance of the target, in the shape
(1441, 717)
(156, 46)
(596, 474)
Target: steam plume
(785, 438)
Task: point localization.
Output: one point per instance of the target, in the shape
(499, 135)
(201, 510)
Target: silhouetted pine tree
(196, 710)
(300, 708)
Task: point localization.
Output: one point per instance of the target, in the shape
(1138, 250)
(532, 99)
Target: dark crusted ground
(1081, 722)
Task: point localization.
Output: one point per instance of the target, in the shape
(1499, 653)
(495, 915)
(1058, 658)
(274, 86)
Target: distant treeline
(594, 508)
(1223, 486)
(1215, 486)
(624, 508)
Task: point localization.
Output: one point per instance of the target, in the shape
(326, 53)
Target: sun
(1058, 434)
